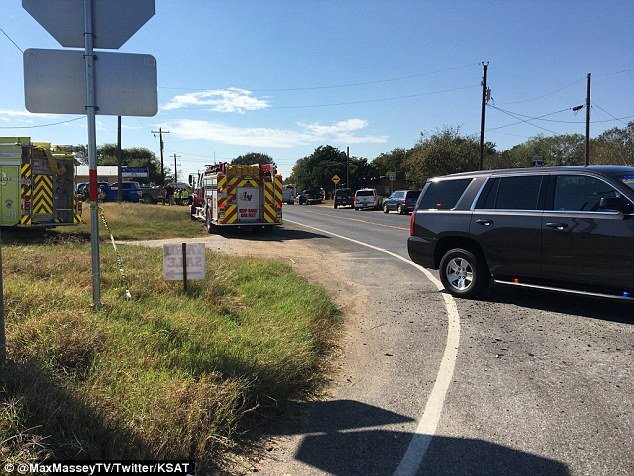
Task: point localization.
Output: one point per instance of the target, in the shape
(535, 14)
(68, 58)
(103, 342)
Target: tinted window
(413, 195)
(580, 193)
(518, 193)
(365, 193)
(627, 180)
(444, 194)
(343, 193)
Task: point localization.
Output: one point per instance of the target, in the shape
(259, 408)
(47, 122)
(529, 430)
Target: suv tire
(385, 209)
(335, 206)
(399, 209)
(463, 273)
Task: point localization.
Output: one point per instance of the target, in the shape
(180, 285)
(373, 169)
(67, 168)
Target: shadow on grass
(68, 427)
(340, 437)
(41, 236)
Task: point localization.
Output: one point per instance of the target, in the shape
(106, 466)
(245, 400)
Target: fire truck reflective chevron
(43, 195)
(40, 184)
(236, 195)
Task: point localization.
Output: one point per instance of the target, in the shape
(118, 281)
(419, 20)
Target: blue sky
(283, 77)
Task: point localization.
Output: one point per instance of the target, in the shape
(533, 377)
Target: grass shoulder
(164, 375)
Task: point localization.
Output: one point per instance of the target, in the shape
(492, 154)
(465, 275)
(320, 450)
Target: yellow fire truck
(238, 195)
(37, 184)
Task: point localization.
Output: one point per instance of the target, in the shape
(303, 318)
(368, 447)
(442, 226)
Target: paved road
(542, 383)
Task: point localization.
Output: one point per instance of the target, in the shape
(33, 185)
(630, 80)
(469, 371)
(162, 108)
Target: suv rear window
(413, 195)
(343, 193)
(511, 193)
(443, 194)
(365, 193)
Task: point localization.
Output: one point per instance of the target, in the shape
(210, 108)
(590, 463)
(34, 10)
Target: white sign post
(184, 262)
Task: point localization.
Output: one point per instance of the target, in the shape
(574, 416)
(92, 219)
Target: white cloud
(220, 100)
(14, 113)
(342, 131)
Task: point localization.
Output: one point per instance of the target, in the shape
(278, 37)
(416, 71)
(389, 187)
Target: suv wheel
(399, 209)
(335, 206)
(385, 209)
(463, 273)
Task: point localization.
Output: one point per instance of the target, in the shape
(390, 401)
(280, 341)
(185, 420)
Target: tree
(252, 158)
(443, 152)
(614, 146)
(317, 169)
(387, 162)
(563, 149)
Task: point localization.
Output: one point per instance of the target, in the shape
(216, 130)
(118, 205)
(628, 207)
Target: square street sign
(55, 82)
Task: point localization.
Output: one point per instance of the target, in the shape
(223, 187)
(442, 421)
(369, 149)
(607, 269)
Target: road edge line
(428, 422)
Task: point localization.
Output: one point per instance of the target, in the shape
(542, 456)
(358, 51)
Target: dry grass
(165, 375)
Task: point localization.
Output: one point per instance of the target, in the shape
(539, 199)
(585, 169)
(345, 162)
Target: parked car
(343, 198)
(309, 197)
(366, 198)
(566, 229)
(402, 201)
(131, 192)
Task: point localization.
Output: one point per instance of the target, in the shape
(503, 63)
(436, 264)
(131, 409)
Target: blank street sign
(114, 21)
(55, 82)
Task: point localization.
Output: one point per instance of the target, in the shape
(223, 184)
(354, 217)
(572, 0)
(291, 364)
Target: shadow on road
(340, 439)
(604, 309)
(278, 233)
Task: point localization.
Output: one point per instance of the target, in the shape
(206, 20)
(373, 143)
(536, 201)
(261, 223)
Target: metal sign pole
(3, 342)
(92, 152)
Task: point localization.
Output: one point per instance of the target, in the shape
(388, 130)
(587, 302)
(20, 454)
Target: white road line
(428, 422)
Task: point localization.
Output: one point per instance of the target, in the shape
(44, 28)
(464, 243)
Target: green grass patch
(164, 375)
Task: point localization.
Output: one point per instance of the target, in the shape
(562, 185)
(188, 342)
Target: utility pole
(348, 167)
(160, 132)
(175, 171)
(588, 122)
(485, 65)
(119, 171)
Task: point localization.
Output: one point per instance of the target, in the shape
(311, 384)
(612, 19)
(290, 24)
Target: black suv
(343, 197)
(559, 228)
(403, 201)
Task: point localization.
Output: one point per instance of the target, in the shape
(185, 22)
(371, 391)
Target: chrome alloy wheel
(459, 273)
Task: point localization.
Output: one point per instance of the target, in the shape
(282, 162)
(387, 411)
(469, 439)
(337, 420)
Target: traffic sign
(392, 175)
(335, 179)
(54, 82)
(114, 21)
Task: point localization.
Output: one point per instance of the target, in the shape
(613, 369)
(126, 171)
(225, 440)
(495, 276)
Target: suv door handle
(484, 222)
(559, 226)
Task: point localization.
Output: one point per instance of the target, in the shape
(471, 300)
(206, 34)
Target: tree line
(447, 151)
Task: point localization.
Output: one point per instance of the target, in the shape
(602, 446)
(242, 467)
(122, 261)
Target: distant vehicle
(131, 192)
(343, 198)
(309, 197)
(289, 192)
(566, 229)
(403, 201)
(367, 198)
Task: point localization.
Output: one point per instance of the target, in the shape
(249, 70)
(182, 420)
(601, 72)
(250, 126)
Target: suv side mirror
(619, 204)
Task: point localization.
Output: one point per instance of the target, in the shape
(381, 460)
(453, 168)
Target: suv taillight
(411, 223)
(354, 198)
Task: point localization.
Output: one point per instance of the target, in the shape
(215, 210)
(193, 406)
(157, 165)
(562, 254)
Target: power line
(521, 121)
(359, 102)
(311, 88)
(11, 40)
(525, 121)
(559, 121)
(609, 114)
(42, 125)
(543, 95)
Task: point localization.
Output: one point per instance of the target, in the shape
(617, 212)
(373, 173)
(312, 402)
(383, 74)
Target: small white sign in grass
(193, 255)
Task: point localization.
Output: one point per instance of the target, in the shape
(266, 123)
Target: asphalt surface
(542, 383)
